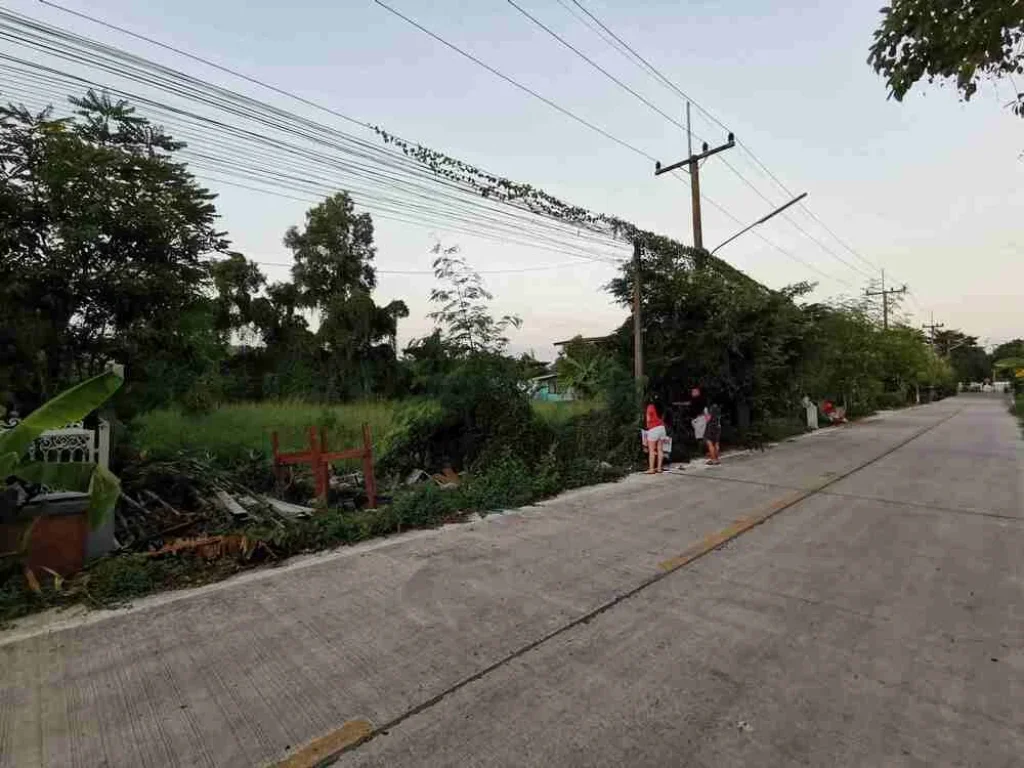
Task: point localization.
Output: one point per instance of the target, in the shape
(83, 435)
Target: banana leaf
(71, 405)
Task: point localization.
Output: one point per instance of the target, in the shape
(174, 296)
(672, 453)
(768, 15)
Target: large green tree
(334, 277)
(962, 41)
(704, 324)
(970, 362)
(104, 239)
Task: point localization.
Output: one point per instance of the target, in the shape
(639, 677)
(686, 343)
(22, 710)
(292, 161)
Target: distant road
(853, 597)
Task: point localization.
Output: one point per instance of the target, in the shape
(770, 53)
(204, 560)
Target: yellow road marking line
(351, 734)
(744, 524)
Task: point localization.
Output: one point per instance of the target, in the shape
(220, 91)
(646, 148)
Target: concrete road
(854, 597)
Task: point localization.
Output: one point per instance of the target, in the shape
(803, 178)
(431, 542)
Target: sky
(929, 189)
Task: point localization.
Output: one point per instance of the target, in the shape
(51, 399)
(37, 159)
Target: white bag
(699, 425)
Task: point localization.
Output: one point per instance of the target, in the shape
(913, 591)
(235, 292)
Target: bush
(413, 440)
(505, 483)
(891, 400)
(425, 507)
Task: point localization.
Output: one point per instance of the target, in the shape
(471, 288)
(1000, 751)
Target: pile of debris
(446, 480)
(186, 503)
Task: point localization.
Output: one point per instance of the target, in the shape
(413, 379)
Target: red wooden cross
(320, 459)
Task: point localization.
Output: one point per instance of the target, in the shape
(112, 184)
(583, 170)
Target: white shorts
(656, 433)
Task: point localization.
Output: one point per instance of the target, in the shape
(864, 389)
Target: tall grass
(560, 412)
(231, 432)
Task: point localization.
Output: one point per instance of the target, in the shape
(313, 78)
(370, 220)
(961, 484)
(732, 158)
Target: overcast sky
(930, 189)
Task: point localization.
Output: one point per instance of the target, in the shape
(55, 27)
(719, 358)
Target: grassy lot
(230, 432)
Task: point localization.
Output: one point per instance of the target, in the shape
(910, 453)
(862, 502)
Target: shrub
(425, 506)
(891, 400)
(412, 441)
(505, 483)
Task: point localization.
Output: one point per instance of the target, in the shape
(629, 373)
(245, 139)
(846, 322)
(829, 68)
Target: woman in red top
(655, 438)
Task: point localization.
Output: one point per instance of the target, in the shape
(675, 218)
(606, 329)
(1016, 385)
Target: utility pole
(692, 161)
(886, 295)
(933, 327)
(638, 339)
(698, 223)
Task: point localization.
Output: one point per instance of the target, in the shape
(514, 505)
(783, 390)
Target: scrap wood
(152, 495)
(134, 504)
(277, 505)
(230, 504)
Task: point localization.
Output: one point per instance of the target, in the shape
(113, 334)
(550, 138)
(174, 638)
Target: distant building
(546, 388)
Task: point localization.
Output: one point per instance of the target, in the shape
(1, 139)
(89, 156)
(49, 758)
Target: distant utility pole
(692, 161)
(886, 296)
(933, 327)
(638, 339)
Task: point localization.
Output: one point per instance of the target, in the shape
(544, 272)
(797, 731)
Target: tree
(103, 239)
(237, 282)
(581, 367)
(334, 276)
(463, 318)
(707, 325)
(969, 361)
(1013, 348)
(1007, 359)
(959, 40)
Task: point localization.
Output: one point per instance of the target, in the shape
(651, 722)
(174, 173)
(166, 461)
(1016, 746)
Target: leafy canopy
(958, 40)
(103, 236)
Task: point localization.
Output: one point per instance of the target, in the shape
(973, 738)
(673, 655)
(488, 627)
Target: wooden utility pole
(692, 162)
(638, 336)
(886, 296)
(698, 225)
(933, 327)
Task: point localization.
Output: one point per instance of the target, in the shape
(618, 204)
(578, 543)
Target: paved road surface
(868, 611)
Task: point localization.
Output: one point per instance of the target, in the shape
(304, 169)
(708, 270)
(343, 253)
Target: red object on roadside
(319, 458)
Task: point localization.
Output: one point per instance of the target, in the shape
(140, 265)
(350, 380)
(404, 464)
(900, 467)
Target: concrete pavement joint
(928, 507)
(668, 567)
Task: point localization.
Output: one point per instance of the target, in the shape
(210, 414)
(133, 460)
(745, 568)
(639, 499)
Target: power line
(234, 100)
(515, 83)
(595, 65)
(201, 60)
(405, 212)
(374, 152)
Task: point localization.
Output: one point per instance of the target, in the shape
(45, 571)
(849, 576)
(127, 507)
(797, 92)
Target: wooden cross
(320, 458)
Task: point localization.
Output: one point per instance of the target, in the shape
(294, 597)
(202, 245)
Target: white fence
(75, 443)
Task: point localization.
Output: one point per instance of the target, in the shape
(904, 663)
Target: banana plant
(69, 406)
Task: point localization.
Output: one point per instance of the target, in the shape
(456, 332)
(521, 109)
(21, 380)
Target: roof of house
(585, 340)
